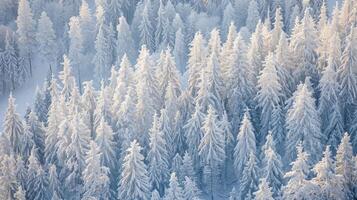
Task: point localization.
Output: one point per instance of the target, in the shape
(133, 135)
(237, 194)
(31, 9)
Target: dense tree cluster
(189, 100)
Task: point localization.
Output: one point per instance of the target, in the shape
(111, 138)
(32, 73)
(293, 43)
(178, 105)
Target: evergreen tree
(179, 51)
(329, 106)
(326, 179)
(269, 93)
(87, 24)
(155, 195)
(239, 88)
(54, 184)
(38, 182)
(174, 191)
(125, 43)
(194, 133)
(26, 31)
(13, 126)
(67, 79)
(229, 17)
(298, 187)
(272, 166)
(304, 45)
(20, 194)
(104, 140)
(95, 175)
(303, 125)
(344, 165)
(145, 27)
(88, 102)
(245, 144)
(38, 133)
(147, 93)
(253, 16)
(12, 71)
(102, 58)
(283, 66)
(187, 169)
(8, 183)
(249, 181)
(196, 61)
(157, 157)
(190, 191)
(75, 51)
(46, 39)
(211, 148)
(277, 30)
(347, 76)
(54, 120)
(134, 182)
(264, 191)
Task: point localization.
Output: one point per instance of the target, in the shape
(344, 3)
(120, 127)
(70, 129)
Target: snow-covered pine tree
(126, 121)
(269, 94)
(104, 139)
(174, 191)
(253, 15)
(147, 91)
(155, 195)
(21, 172)
(196, 61)
(245, 144)
(104, 104)
(75, 156)
(125, 43)
(190, 189)
(329, 105)
(345, 165)
(272, 166)
(211, 148)
(38, 133)
(249, 181)
(298, 186)
(37, 186)
(26, 27)
(8, 182)
(168, 74)
(146, 29)
(283, 66)
(347, 76)
(134, 182)
(158, 157)
(180, 50)
(264, 191)
(20, 194)
(228, 19)
(54, 184)
(102, 57)
(303, 125)
(304, 46)
(326, 179)
(227, 51)
(54, 120)
(11, 75)
(277, 30)
(194, 133)
(88, 102)
(75, 51)
(187, 168)
(87, 24)
(67, 79)
(95, 175)
(13, 126)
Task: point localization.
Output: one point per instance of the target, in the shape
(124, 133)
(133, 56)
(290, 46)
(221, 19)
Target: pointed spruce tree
(134, 182)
